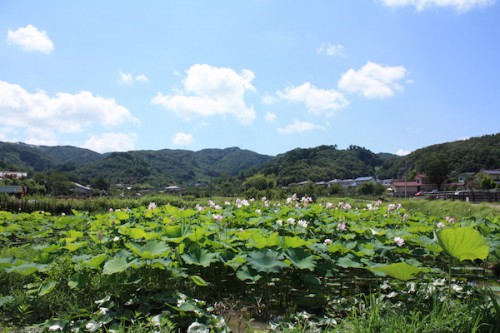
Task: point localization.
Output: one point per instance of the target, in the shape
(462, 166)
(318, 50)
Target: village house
(493, 174)
(403, 187)
(13, 174)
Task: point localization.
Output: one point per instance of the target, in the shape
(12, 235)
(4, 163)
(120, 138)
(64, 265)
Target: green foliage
(195, 266)
(463, 243)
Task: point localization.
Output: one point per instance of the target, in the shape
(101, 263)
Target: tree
(437, 169)
(487, 183)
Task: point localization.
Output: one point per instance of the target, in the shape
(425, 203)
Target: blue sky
(268, 76)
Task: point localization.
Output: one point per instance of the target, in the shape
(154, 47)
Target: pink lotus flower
(399, 241)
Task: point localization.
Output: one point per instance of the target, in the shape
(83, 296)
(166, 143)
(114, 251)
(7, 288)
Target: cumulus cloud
(31, 39)
(210, 91)
(373, 80)
(269, 99)
(129, 79)
(317, 101)
(460, 6)
(110, 142)
(42, 116)
(298, 127)
(182, 139)
(331, 49)
(403, 152)
(270, 117)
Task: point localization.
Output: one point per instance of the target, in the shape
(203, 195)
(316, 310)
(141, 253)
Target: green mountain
(22, 156)
(323, 163)
(166, 167)
(183, 167)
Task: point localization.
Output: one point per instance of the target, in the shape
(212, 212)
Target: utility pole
(406, 173)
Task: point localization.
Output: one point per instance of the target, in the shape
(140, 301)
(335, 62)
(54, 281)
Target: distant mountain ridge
(184, 167)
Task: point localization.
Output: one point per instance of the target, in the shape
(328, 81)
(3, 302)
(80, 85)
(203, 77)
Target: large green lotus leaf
(175, 212)
(176, 233)
(121, 215)
(247, 273)
(72, 247)
(78, 280)
(46, 287)
(292, 242)
(347, 262)
(463, 243)
(156, 248)
(95, 262)
(138, 233)
(337, 247)
(187, 212)
(152, 249)
(266, 261)
(74, 234)
(26, 269)
(63, 221)
(401, 270)
(198, 233)
(6, 262)
(301, 259)
(244, 235)
(364, 250)
(199, 256)
(115, 265)
(237, 261)
(259, 241)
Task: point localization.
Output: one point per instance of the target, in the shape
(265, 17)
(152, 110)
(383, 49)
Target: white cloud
(31, 39)
(210, 91)
(331, 49)
(42, 116)
(141, 78)
(317, 101)
(129, 79)
(460, 6)
(111, 142)
(298, 127)
(268, 99)
(373, 80)
(270, 117)
(403, 152)
(182, 139)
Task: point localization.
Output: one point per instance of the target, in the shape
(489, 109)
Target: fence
(469, 196)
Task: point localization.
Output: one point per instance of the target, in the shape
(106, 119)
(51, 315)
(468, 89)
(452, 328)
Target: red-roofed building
(402, 188)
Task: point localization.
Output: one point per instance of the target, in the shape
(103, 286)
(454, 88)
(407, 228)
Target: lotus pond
(248, 265)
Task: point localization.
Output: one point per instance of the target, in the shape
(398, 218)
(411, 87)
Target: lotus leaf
(247, 273)
(401, 270)
(115, 265)
(26, 269)
(267, 261)
(259, 241)
(347, 262)
(292, 242)
(463, 243)
(199, 256)
(138, 233)
(301, 259)
(46, 287)
(152, 249)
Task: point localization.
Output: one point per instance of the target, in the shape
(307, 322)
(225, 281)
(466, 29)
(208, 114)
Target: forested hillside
(325, 163)
(156, 169)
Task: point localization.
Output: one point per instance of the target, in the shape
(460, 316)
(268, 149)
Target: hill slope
(184, 167)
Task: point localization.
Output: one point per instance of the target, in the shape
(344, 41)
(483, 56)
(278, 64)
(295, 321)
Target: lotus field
(247, 265)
